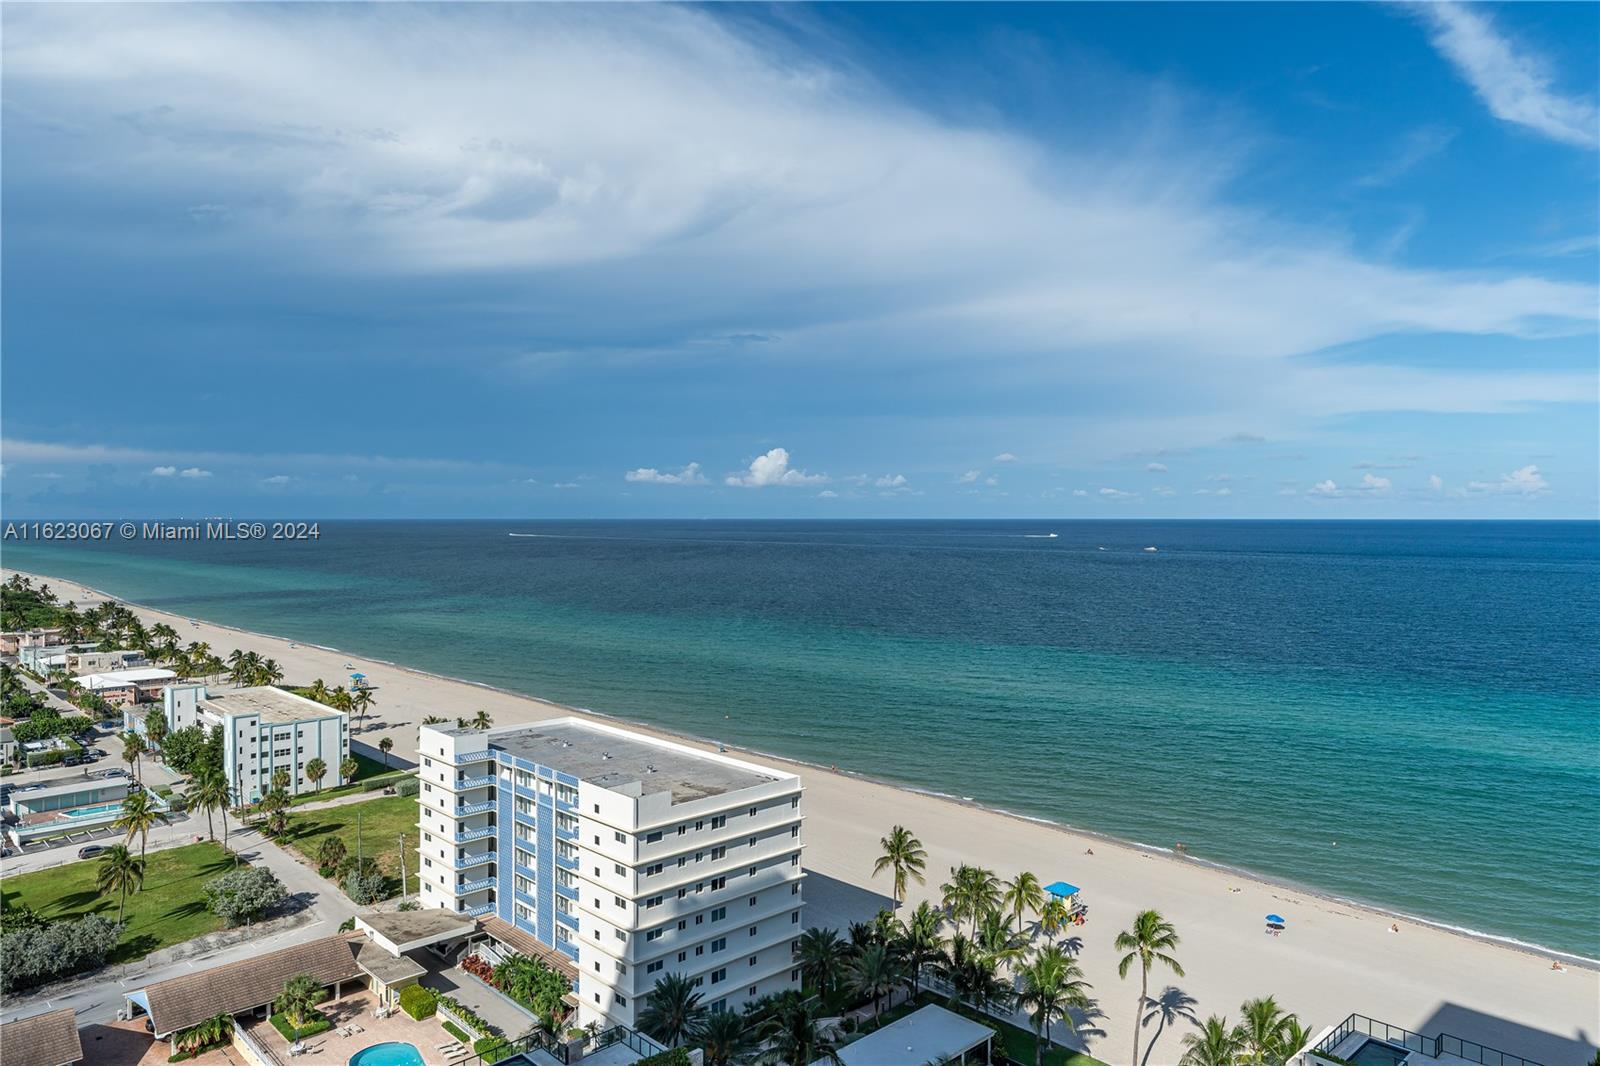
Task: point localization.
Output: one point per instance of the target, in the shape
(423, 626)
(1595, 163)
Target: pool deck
(329, 1048)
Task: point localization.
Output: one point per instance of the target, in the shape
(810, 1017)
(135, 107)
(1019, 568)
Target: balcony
(475, 886)
(567, 891)
(566, 863)
(470, 861)
(566, 834)
(461, 784)
(467, 810)
(1362, 1039)
(466, 757)
(466, 836)
(479, 912)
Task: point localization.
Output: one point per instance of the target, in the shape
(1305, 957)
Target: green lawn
(382, 822)
(170, 910)
(1018, 1043)
(366, 770)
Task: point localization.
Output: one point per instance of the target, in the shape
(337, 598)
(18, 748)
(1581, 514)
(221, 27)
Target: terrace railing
(1431, 1046)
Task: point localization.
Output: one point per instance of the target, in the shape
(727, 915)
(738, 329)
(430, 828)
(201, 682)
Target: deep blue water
(1423, 693)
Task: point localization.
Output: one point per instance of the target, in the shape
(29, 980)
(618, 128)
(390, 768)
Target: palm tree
(209, 792)
(361, 701)
(794, 1036)
(1293, 1038)
(269, 673)
(970, 892)
(973, 974)
(139, 816)
(299, 997)
(280, 779)
(316, 770)
(433, 719)
(673, 1010)
(119, 871)
(1023, 892)
(1261, 1032)
(1151, 940)
(922, 942)
(822, 959)
(331, 853)
(903, 854)
(724, 1038)
(875, 972)
(347, 769)
(386, 745)
(1052, 984)
(1053, 917)
(994, 937)
(318, 690)
(132, 748)
(1214, 1045)
(482, 720)
(155, 726)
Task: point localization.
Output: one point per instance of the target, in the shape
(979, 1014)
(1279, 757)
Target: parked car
(89, 851)
(72, 760)
(113, 772)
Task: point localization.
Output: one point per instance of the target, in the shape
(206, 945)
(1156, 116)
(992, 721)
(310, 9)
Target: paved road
(100, 998)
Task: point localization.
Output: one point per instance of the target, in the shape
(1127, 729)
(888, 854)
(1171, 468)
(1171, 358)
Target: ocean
(1399, 713)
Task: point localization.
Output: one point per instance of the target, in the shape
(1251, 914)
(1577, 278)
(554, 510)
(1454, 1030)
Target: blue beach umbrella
(359, 676)
(1276, 919)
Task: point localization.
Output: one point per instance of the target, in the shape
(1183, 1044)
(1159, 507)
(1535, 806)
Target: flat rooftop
(612, 760)
(113, 678)
(272, 704)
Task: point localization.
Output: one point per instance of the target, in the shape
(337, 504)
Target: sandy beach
(1334, 958)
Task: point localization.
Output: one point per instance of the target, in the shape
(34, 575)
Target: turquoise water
(93, 812)
(1423, 694)
(388, 1055)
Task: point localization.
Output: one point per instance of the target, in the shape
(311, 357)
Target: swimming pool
(391, 1054)
(1378, 1053)
(92, 812)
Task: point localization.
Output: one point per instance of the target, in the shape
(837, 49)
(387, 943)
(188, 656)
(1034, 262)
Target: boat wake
(1040, 536)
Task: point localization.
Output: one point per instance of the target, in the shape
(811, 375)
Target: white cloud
(164, 471)
(827, 494)
(1156, 468)
(969, 477)
(1220, 477)
(1286, 491)
(1224, 491)
(193, 472)
(1526, 481)
(1373, 483)
(566, 485)
(1515, 84)
(689, 475)
(891, 481)
(1117, 494)
(1080, 492)
(1164, 490)
(277, 479)
(1436, 483)
(991, 481)
(1005, 457)
(1325, 488)
(773, 469)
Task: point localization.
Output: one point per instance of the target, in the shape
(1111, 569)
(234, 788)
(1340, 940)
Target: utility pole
(403, 891)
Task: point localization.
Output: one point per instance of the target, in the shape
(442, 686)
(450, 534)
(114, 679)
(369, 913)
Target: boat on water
(1150, 549)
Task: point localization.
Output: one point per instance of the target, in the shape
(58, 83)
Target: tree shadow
(1172, 1006)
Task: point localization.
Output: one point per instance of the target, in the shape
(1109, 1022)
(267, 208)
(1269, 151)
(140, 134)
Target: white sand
(1334, 959)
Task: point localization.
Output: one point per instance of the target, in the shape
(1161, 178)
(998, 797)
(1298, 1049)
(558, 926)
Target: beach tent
(1276, 919)
(1062, 890)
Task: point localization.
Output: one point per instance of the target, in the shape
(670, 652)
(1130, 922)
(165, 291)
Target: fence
(1431, 1046)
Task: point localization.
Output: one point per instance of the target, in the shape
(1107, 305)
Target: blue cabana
(1276, 919)
(1062, 890)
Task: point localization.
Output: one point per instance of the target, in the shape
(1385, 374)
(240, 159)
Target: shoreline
(1185, 871)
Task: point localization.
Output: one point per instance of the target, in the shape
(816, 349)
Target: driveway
(499, 1011)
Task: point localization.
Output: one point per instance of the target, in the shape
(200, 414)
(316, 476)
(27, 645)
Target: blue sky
(843, 260)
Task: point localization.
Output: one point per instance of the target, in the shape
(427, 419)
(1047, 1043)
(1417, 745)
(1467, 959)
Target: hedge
(676, 1056)
(492, 1048)
(456, 1031)
(418, 1002)
(317, 1025)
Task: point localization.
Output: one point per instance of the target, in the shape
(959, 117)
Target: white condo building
(267, 729)
(635, 857)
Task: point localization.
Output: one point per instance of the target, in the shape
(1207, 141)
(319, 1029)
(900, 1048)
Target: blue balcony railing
(467, 810)
(566, 863)
(566, 834)
(475, 886)
(469, 861)
(466, 836)
(479, 912)
(465, 757)
(477, 781)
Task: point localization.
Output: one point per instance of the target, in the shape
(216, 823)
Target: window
(524, 885)
(562, 936)
(619, 901)
(752, 901)
(794, 919)
(655, 967)
(718, 976)
(794, 860)
(682, 829)
(752, 871)
(699, 949)
(653, 901)
(794, 831)
(752, 930)
(683, 923)
(699, 855)
(651, 838)
(752, 842)
(752, 812)
(682, 892)
(654, 934)
(719, 821)
(718, 852)
(752, 960)
(621, 935)
(622, 1001)
(523, 858)
(794, 889)
(794, 804)
(616, 868)
(652, 870)
(563, 904)
(719, 913)
(718, 883)
(718, 944)
(621, 837)
(682, 955)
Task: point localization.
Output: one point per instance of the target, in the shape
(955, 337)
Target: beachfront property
(125, 688)
(67, 805)
(77, 659)
(12, 642)
(1367, 1041)
(268, 729)
(634, 857)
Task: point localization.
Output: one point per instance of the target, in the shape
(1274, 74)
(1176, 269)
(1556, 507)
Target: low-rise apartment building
(266, 729)
(634, 856)
(124, 688)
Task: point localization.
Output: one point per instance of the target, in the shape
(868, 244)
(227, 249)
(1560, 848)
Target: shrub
(40, 954)
(364, 888)
(245, 895)
(418, 1002)
(456, 1031)
(408, 905)
(676, 1056)
(213, 1032)
(477, 967)
(409, 787)
(492, 1048)
(314, 1025)
(347, 925)
(465, 1014)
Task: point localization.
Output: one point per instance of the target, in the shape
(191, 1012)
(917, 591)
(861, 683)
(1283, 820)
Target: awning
(1062, 890)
